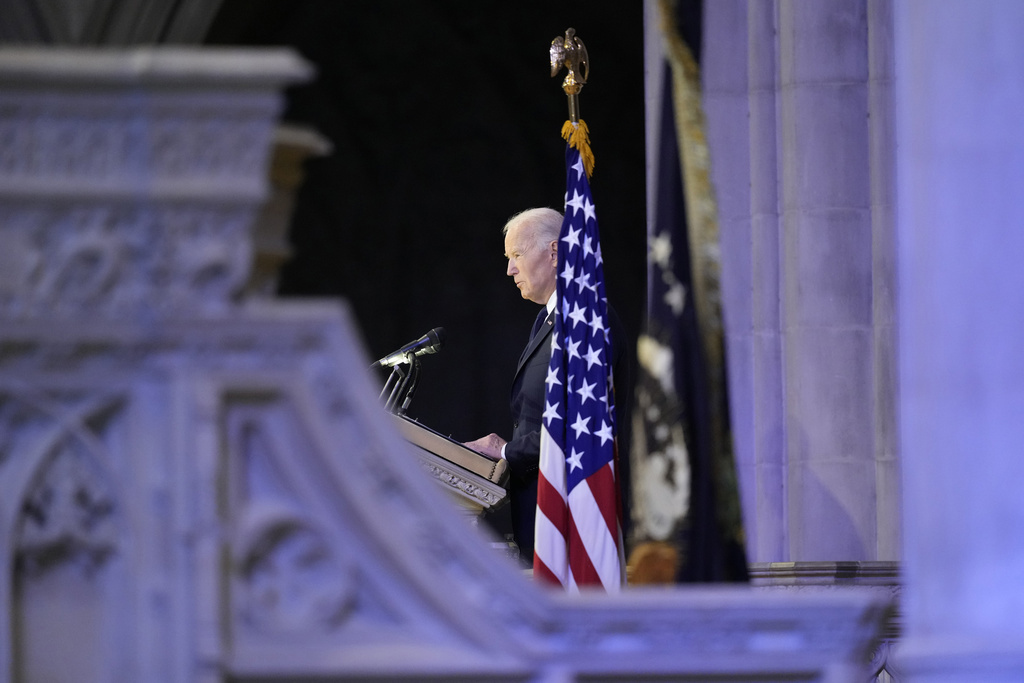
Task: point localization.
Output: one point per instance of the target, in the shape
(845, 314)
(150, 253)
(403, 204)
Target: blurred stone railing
(882, 578)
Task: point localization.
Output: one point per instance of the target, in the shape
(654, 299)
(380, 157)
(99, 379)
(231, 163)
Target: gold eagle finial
(571, 53)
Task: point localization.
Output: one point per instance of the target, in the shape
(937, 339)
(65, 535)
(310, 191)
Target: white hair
(546, 224)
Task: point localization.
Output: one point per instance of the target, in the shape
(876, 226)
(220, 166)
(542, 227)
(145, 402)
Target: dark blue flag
(686, 519)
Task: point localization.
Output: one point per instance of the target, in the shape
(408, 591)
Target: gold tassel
(578, 137)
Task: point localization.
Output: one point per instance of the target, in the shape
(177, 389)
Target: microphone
(428, 343)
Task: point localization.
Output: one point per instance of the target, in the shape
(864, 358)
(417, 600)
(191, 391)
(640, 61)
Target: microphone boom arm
(402, 385)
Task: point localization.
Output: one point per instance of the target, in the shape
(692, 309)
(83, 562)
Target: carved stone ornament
(68, 515)
(127, 194)
(289, 577)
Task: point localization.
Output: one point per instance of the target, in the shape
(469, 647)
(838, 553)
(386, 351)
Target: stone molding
(860, 573)
(129, 179)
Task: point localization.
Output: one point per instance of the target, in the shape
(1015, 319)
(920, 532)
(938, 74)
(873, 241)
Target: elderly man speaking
(531, 246)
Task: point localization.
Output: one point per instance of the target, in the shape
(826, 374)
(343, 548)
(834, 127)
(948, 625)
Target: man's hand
(489, 445)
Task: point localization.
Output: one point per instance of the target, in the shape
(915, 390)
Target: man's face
(532, 266)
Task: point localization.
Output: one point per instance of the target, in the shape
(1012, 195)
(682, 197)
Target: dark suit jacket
(527, 402)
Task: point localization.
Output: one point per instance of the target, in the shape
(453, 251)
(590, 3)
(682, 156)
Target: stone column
(769, 426)
(826, 279)
(805, 197)
(740, 90)
(800, 128)
(882, 151)
(960, 161)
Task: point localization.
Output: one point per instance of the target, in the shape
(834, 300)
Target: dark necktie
(539, 322)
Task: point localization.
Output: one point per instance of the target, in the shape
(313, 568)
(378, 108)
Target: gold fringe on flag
(578, 137)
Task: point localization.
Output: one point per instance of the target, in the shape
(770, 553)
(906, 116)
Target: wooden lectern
(476, 482)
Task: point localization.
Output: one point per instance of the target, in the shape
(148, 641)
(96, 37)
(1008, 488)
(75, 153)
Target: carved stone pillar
(129, 180)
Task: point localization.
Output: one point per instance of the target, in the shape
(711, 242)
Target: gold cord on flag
(570, 52)
(578, 137)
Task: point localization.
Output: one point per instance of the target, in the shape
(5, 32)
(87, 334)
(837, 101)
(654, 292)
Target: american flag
(578, 530)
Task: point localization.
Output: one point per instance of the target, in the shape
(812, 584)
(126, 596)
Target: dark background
(445, 122)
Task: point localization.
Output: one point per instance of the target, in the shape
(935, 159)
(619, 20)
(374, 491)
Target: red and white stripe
(577, 536)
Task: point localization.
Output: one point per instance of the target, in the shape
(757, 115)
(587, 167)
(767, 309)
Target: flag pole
(578, 529)
(570, 52)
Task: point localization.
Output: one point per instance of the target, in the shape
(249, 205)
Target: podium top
(495, 471)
